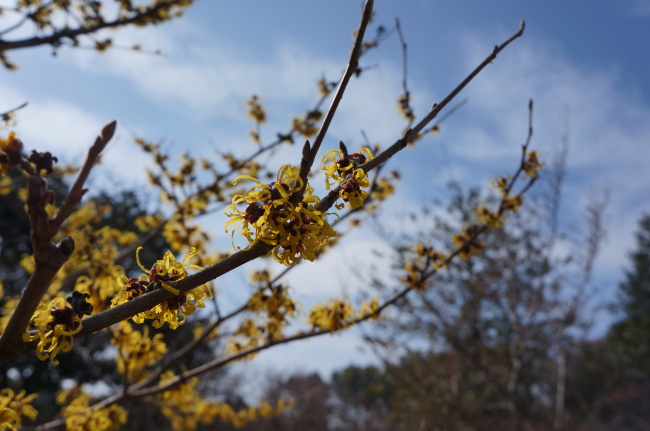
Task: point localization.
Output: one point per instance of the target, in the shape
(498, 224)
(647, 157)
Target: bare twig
(11, 111)
(412, 133)
(352, 66)
(77, 191)
(402, 42)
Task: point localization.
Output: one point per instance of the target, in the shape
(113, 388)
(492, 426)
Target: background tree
(310, 408)
(608, 380)
(485, 344)
(632, 332)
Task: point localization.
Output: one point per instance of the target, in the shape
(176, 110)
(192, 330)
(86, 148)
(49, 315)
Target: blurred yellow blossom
(13, 407)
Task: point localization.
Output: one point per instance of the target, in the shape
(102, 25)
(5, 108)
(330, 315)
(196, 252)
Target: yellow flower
(370, 308)
(273, 306)
(324, 87)
(337, 166)
(469, 246)
(351, 189)
(265, 202)
(185, 408)
(341, 169)
(148, 222)
(295, 230)
(256, 110)
(168, 269)
(262, 276)
(488, 218)
(137, 350)
(382, 189)
(175, 311)
(307, 125)
(164, 271)
(513, 203)
(404, 107)
(57, 324)
(331, 317)
(10, 152)
(533, 164)
(501, 185)
(13, 407)
(79, 416)
(302, 236)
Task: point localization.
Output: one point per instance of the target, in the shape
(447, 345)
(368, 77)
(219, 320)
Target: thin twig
(11, 111)
(77, 191)
(352, 66)
(412, 133)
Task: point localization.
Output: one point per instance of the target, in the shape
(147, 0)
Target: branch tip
(343, 148)
(109, 130)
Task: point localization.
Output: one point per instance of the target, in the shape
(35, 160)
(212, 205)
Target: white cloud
(207, 77)
(45, 124)
(68, 130)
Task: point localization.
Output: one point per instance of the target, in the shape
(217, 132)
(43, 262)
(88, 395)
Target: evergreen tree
(631, 335)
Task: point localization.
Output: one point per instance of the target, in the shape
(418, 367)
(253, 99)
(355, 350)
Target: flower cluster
(255, 109)
(80, 416)
(332, 316)
(422, 260)
(257, 114)
(275, 303)
(325, 87)
(532, 163)
(404, 107)
(341, 169)
(307, 125)
(185, 408)
(488, 217)
(509, 203)
(96, 251)
(339, 314)
(164, 271)
(467, 242)
(57, 324)
(296, 230)
(272, 307)
(13, 407)
(137, 350)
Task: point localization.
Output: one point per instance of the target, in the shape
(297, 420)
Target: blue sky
(583, 62)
